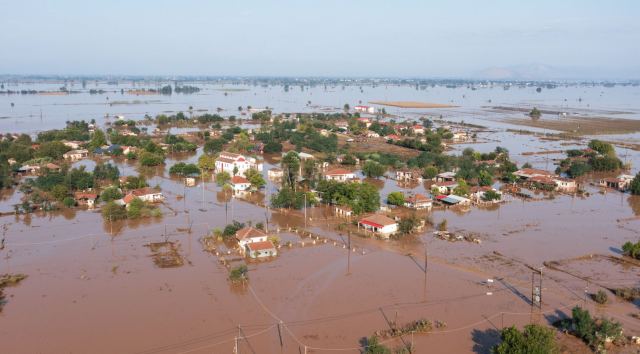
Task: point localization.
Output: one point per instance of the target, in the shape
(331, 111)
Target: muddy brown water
(93, 286)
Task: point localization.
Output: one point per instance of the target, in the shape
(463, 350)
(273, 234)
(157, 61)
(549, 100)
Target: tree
(272, 147)
(106, 171)
(134, 210)
(52, 149)
(59, 192)
(373, 169)
(151, 159)
(430, 172)
(408, 224)
(135, 182)
(535, 113)
(485, 178)
(97, 140)
(239, 273)
(110, 193)
(68, 202)
(491, 195)
(395, 198)
(112, 212)
(534, 339)
(373, 346)
(184, 169)
(634, 187)
(631, 249)
(290, 167)
(346, 107)
(222, 178)
(602, 147)
(462, 189)
(255, 178)
(207, 162)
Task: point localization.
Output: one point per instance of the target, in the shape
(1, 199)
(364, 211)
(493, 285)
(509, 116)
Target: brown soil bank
(581, 125)
(411, 104)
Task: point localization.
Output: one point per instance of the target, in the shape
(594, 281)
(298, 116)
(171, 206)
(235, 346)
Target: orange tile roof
(260, 246)
(249, 232)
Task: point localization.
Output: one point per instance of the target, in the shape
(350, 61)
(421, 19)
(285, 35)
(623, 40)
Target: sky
(401, 38)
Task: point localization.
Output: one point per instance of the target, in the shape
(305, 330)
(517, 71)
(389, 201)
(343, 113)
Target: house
(240, 184)
(417, 129)
(109, 150)
(73, 144)
(189, 181)
(460, 137)
(476, 193)
(29, 169)
(446, 177)
(379, 224)
(392, 137)
(344, 211)
(620, 183)
(365, 121)
(544, 182)
(527, 173)
(446, 187)
(372, 134)
(236, 164)
(75, 155)
(52, 167)
(407, 175)
(365, 109)
(248, 235)
(453, 199)
(340, 175)
(86, 199)
(129, 149)
(261, 249)
(567, 185)
(145, 194)
(419, 202)
(275, 173)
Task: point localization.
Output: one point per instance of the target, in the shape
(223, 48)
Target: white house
(566, 184)
(417, 129)
(444, 187)
(275, 173)
(340, 175)
(379, 224)
(248, 235)
(620, 183)
(75, 155)
(419, 202)
(446, 177)
(145, 194)
(240, 184)
(527, 173)
(365, 109)
(261, 249)
(228, 162)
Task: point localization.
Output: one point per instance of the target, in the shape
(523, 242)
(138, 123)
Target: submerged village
(284, 215)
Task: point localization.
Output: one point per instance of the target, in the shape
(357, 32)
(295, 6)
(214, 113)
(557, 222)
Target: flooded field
(153, 286)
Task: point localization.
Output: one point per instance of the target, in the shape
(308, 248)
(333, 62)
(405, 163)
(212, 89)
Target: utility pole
(305, 211)
(280, 335)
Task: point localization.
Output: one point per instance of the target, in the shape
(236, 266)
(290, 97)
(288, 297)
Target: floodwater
(93, 286)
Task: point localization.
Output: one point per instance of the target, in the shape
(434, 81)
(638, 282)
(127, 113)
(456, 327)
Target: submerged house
(379, 224)
(236, 164)
(86, 199)
(620, 183)
(418, 202)
(240, 184)
(254, 243)
(261, 249)
(340, 175)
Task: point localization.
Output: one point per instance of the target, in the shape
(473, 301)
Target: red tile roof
(338, 172)
(260, 246)
(239, 180)
(377, 220)
(249, 232)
